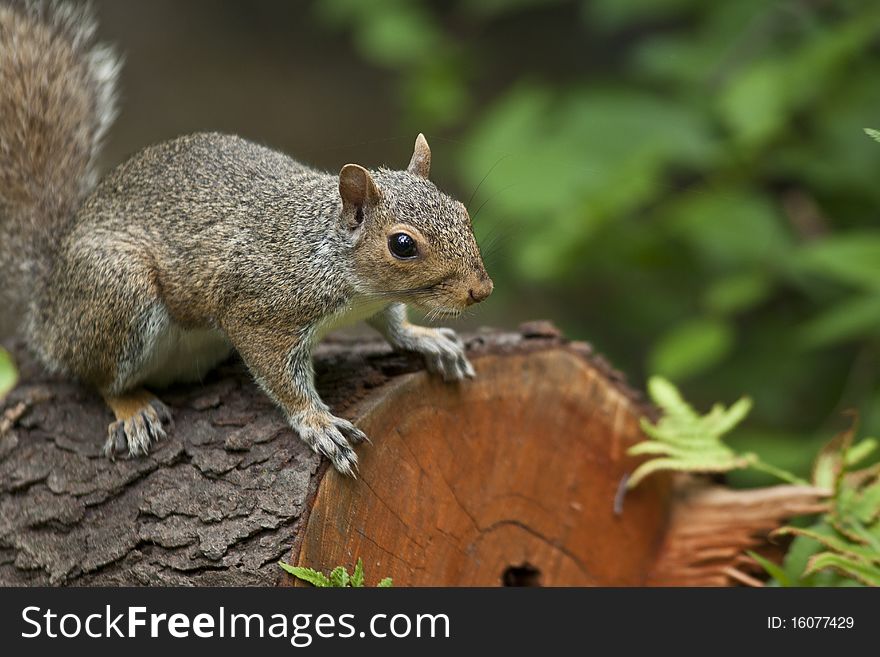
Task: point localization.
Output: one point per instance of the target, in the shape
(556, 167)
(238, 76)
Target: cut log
(508, 479)
(711, 528)
(510, 476)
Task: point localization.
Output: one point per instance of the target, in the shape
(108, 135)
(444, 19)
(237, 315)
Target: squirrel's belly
(184, 355)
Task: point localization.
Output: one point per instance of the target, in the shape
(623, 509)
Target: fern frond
(867, 574)
(836, 543)
(338, 578)
(684, 441)
(357, 577)
(847, 538)
(309, 575)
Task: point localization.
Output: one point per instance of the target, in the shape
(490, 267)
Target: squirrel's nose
(481, 292)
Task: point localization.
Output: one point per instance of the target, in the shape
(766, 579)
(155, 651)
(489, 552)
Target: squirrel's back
(195, 181)
(215, 214)
(56, 103)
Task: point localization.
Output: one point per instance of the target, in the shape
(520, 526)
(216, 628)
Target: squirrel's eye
(402, 246)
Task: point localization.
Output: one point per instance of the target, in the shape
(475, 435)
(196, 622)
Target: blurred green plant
(686, 184)
(841, 547)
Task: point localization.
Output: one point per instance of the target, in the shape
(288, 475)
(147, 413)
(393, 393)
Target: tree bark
(512, 478)
(233, 490)
(712, 527)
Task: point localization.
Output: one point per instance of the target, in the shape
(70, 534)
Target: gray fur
(57, 101)
(209, 242)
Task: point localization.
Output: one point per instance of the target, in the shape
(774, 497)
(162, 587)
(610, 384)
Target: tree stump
(508, 479)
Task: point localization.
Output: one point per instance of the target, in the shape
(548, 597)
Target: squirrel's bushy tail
(57, 100)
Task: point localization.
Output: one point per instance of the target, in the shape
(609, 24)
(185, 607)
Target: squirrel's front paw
(443, 352)
(136, 433)
(329, 435)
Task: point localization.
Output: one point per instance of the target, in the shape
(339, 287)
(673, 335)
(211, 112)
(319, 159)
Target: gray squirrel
(203, 244)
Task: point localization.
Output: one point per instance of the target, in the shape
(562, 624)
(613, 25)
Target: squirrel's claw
(162, 411)
(329, 436)
(138, 432)
(444, 354)
(350, 431)
(345, 461)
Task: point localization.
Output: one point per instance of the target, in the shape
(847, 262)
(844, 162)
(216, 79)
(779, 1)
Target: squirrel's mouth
(435, 308)
(444, 312)
(439, 299)
(435, 314)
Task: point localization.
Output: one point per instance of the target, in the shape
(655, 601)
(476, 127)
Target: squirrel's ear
(420, 164)
(356, 186)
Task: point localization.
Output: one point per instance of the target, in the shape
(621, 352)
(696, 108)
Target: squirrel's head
(411, 242)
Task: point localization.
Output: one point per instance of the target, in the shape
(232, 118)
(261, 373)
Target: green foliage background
(685, 184)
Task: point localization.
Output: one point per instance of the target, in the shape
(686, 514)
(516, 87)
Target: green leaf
(873, 134)
(755, 104)
(357, 577)
(400, 34)
(801, 549)
(730, 228)
(853, 318)
(833, 542)
(863, 572)
(437, 94)
(830, 463)
(856, 512)
(385, 583)
(764, 93)
(737, 293)
(773, 569)
(339, 577)
(668, 398)
(309, 575)
(566, 164)
(852, 258)
(860, 451)
(686, 441)
(844, 546)
(692, 348)
(8, 374)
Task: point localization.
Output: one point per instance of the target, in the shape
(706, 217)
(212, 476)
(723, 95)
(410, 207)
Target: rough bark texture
(218, 503)
(512, 478)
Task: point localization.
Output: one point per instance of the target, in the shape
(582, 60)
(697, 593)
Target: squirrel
(202, 245)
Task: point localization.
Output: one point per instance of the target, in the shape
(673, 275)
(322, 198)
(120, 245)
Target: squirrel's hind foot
(141, 420)
(329, 436)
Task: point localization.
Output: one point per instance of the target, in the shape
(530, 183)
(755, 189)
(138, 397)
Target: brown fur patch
(128, 405)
